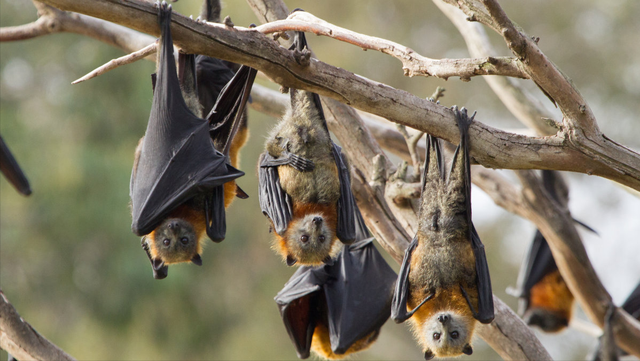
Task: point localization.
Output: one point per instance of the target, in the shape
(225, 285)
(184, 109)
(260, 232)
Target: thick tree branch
(491, 147)
(21, 340)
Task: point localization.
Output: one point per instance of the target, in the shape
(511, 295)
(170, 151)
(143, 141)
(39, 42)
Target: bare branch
(123, 60)
(412, 63)
(21, 340)
(522, 104)
(23, 32)
(491, 147)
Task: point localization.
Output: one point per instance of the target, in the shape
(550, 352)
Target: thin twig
(123, 60)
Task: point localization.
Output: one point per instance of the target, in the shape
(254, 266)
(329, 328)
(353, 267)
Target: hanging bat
(545, 300)
(444, 277)
(177, 193)
(304, 181)
(338, 309)
(11, 170)
(607, 349)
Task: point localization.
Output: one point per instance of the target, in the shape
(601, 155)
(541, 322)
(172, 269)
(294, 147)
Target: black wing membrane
(399, 311)
(12, 171)
(275, 203)
(352, 296)
(178, 159)
(485, 312)
(346, 229)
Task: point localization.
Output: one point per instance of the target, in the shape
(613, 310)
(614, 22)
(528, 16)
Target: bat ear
(197, 260)
(467, 349)
(328, 260)
(428, 355)
(240, 193)
(291, 261)
(157, 264)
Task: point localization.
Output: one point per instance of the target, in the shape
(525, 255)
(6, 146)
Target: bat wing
(358, 294)
(178, 159)
(485, 294)
(399, 311)
(298, 305)
(346, 229)
(11, 170)
(632, 304)
(275, 203)
(212, 74)
(226, 115)
(539, 263)
(485, 312)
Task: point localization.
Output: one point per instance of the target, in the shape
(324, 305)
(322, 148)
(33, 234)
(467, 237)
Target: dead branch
(491, 147)
(22, 341)
(23, 32)
(412, 63)
(123, 60)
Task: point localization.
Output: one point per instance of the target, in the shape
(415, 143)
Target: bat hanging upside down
(305, 187)
(444, 277)
(337, 309)
(181, 182)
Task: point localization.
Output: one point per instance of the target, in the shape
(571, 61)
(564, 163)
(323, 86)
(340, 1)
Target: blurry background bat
(338, 309)
(177, 180)
(304, 178)
(545, 300)
(444, 277)
(607, 350)
(11, 170)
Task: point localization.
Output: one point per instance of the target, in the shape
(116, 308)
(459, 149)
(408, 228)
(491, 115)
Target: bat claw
(301, 164)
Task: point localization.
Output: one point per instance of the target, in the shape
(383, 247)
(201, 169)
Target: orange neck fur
(552, 294)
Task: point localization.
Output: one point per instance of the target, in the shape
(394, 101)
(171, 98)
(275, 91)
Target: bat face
(174, 241)
(309, 240)
(321, 343)
(446, 334)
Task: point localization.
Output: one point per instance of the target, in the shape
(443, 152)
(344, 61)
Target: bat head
(547, 320)
(309, 240)
(447, 334)
(175, 240)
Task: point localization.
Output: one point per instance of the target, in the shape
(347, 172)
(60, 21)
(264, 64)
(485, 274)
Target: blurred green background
(72, 268)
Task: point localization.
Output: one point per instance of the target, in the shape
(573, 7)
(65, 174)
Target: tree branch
(21, 340)
(491, 147)
(24, 32)
(123, 60)
(412, 63)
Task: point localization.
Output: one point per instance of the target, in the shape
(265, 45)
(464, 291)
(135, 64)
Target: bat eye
(184, 240)
(454, 335)
(304, 238)
(321, 238)
(166, 242)
(436, 335)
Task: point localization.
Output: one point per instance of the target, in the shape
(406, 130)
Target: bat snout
(443, 319)
(174, 225)
(317, 221)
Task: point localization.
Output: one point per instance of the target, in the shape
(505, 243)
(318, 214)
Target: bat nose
(443, 319)
(317, 221)
(174, 225)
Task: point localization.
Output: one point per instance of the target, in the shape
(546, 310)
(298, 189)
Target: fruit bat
(545, 300)
(177, 180)
(444, 277)
(607, 349)
(304, 181)
(338, 309)
(11, 170)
